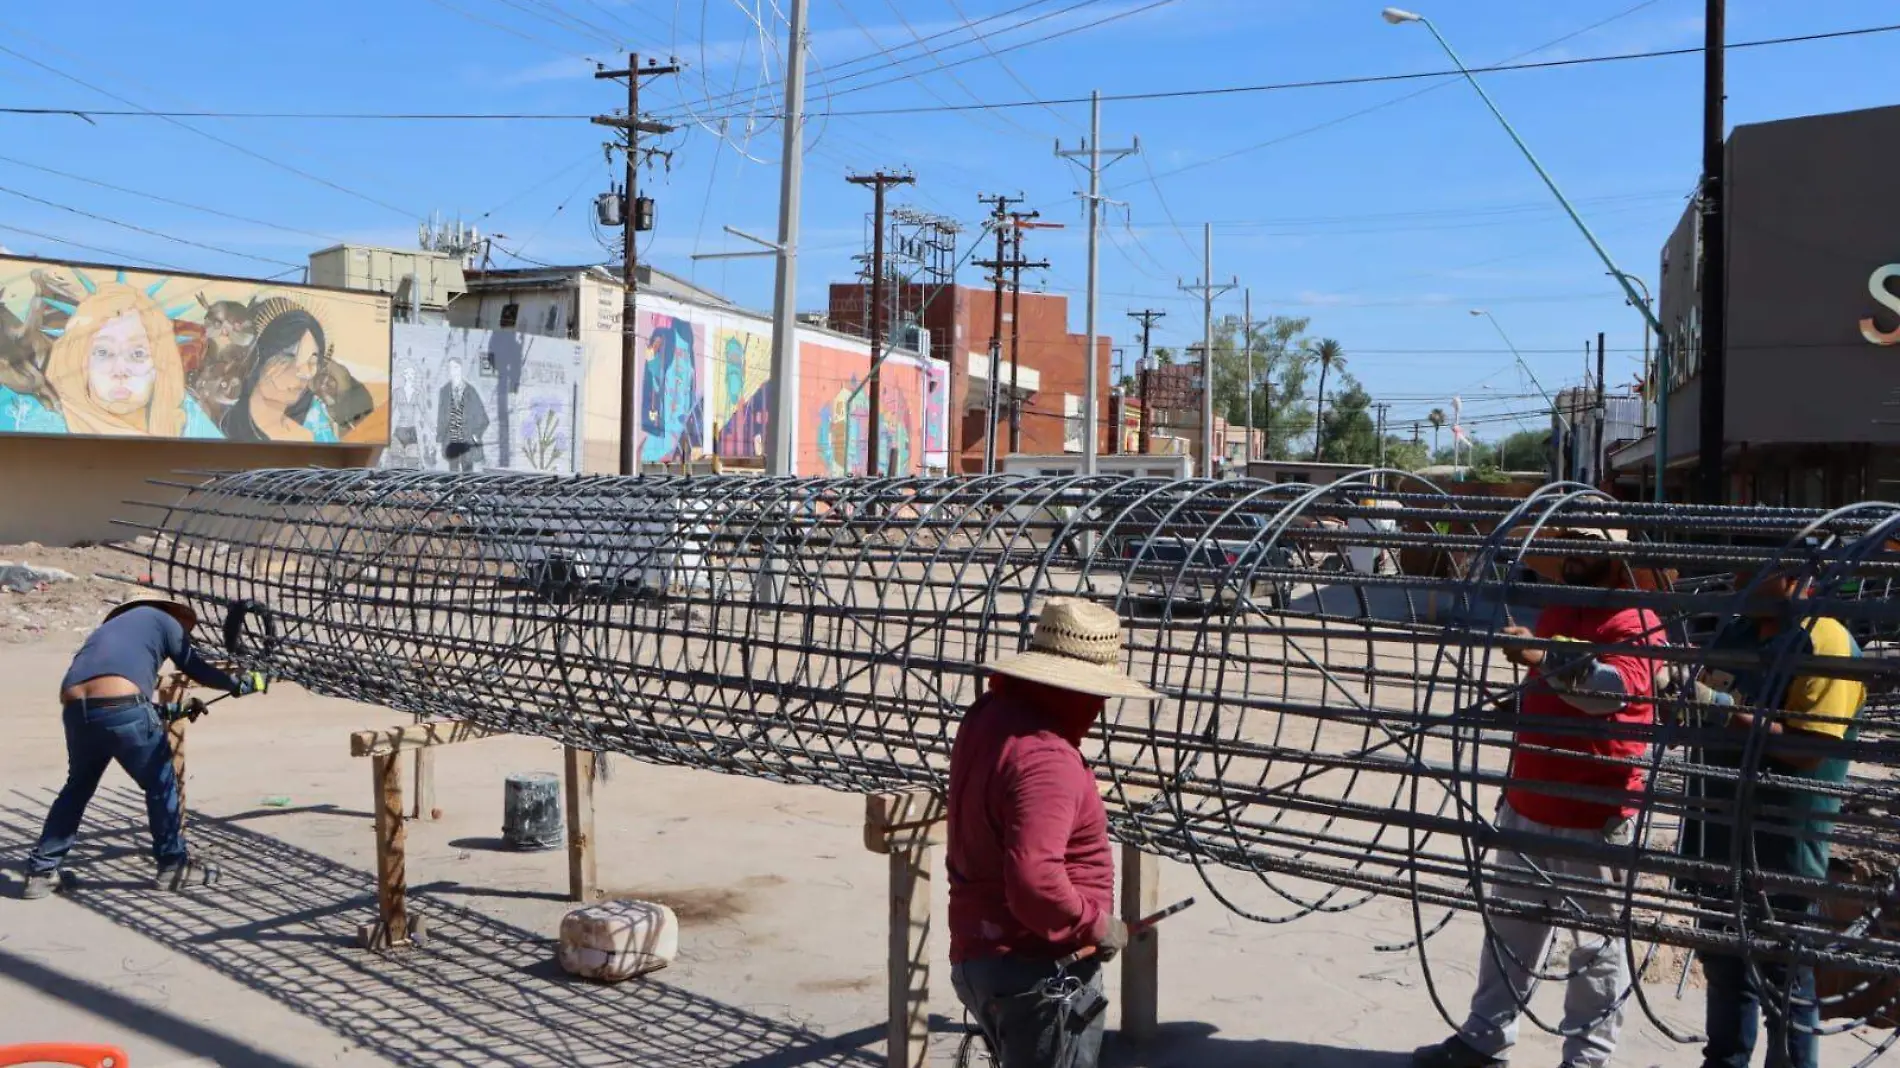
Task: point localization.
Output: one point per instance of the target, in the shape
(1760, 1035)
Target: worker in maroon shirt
(1031, 873)
(1590, 797)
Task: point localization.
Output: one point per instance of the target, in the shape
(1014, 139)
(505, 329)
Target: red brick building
(960, 320)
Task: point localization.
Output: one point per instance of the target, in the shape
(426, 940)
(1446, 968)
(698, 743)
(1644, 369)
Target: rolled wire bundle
(1340, 719)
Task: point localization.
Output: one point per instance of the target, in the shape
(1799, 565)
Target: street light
(1480, 312)
(1400, 16)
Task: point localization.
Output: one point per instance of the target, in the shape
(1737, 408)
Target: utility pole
(1019, 221)
(999, 216)
(878, 182)
(635, 216)
(1207, 291)
(1147, 317)
(1091, 375)
(1714, 258)
(1603, 413)
(781, 457)
(1246, 332)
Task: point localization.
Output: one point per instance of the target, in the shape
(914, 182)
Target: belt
(106, 704)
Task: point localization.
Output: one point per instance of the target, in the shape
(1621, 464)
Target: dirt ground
(782, 909)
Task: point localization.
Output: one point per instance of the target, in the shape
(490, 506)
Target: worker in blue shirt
(109, 715)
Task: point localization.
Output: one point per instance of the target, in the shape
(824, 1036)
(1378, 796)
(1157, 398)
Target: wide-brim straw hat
(1076, 647)
(183, 613)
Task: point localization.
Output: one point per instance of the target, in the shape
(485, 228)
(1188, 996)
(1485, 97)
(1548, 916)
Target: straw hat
(1076, 647)
(179, 611)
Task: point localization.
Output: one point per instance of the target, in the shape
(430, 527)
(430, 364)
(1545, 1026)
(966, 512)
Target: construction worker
(110, 716)
(1791, 826)
(1031, 871)
(1565, 695)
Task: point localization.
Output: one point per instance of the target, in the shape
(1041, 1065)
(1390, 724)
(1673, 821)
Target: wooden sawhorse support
(908, 827)
(395, 925)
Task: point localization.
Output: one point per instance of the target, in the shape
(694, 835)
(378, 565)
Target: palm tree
(1438, 419)
(1330, 354)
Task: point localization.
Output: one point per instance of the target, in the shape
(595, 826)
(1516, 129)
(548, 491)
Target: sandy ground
(783, 914)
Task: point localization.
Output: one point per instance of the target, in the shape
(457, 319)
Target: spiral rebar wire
(1339, 715)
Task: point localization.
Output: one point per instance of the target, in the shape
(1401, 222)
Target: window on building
(553, 319)
(1071, 423)
(509, 313)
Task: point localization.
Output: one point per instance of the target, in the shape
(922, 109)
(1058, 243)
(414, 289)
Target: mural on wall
(475, 400)
(837, 412)
(104, 351)
(741, 375)
(672, 403)
(937, 414)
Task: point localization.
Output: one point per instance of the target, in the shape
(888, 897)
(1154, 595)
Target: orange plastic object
(78, 1054)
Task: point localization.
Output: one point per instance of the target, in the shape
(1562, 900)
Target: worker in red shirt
(1031, 872)
(1601, 789)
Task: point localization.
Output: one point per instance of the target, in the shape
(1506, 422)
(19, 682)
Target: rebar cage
(1340, 719)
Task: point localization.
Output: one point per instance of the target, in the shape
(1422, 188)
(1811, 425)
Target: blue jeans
(98, 733)
(1735, 1009)
(1024, 1028)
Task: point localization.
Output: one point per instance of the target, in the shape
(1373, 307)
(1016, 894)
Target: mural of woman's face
(119, 369)
(288, 375)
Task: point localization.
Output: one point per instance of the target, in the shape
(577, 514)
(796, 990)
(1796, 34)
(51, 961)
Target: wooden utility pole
(878, 182)
(1019, 221)
(1712, 202)
(581, 767)
(1147, 316)
(999, 223)
(633, 220)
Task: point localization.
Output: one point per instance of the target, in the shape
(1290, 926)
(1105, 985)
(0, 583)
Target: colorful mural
(837, 411)
(741, 374)
(937, 414)
(477, 400)
(672, 401)
(105, 351)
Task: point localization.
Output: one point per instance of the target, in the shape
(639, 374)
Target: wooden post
(392, 880)
(908, 828)
(424, 806)
(582, 873)
(1141, 961)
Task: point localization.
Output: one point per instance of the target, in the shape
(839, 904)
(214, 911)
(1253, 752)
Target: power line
(120, 254)
(168, 200)
(145, 230)
(1173, 94)
(234, 146)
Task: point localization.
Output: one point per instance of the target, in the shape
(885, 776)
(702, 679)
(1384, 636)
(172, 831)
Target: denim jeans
(97, 735)
(1736, 1006)
(1026, 1029)
(1735, 1010)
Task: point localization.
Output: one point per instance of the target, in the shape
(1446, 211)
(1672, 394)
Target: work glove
(1113, 940)
(252, 682)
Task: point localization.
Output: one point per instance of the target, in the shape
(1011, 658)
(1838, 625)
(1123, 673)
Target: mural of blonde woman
(116, 369)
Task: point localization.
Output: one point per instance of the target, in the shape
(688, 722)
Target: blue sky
(1385, 228)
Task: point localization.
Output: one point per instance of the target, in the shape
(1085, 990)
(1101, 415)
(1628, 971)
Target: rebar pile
(1340, 714)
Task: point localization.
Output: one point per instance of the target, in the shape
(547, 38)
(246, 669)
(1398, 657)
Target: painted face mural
(673, 410)
(104, 351)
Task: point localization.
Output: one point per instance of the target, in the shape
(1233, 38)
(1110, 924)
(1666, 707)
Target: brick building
(959, 320)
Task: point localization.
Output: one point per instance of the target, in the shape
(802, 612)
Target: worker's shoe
(1454, 1052)
(45, 884)
(187, 876)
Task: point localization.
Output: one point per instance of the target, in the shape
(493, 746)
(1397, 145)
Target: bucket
(531, 811)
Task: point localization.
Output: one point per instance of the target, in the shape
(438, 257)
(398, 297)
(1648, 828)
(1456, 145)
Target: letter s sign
(1877, 287)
